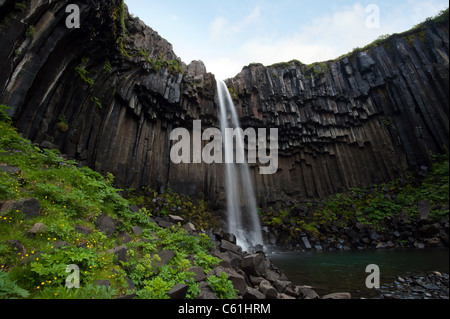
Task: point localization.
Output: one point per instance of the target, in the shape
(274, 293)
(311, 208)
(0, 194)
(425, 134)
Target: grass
(72, 196)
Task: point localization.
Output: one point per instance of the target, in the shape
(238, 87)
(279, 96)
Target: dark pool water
(344, 271)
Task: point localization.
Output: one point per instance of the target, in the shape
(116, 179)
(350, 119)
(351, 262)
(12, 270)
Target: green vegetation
(71, 196)
(222, 287)
(30, 31)
(20, 6)
(169, 202)
(84, 75)
(63, 125)
(119, 27)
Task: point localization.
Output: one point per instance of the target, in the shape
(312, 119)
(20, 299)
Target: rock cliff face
(365, 118)
(109, 93)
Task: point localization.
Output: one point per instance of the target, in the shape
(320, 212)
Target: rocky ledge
(430, 286)
(253, 275)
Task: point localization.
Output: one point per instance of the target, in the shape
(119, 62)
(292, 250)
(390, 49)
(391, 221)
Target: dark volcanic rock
(354, 121)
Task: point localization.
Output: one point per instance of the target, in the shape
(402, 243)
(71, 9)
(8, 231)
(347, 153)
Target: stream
(345, 271)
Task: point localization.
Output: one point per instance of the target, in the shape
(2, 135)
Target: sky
(230, 34)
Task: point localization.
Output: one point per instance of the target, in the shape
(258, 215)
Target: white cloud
(222, 29)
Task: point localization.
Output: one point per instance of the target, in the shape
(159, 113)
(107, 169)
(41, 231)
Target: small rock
(165, 256)
(106, 225)
(11, 170)
(37, 228)
(121, 253)
(176, 219)
(252, 293)
(82, 230)
(199, 273)
(306, 292)
(48, 145)
(137, 230)
(124, 237)
(338, 295)
(179, 291)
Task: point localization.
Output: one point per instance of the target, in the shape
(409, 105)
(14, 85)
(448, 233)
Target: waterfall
(242, 214)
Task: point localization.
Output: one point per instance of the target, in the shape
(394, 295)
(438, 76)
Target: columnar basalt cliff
(109, 94)
(365, 118)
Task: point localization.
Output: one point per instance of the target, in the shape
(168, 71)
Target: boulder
(11, 170)
(281, 285)
(272, 276)
(206, 292)
(226, 245)
(338, 295)
(306, 292)
(137, 230)
(165, 256)
(37, 229)
(268, 290)
(199, 273)
(306, 242)
(424, 208)
(190, 228)
(106, 225)
(82, 230)
(121, 253)
(237, 279)
(179, 291)
(29, 207)
(252, 293)
(124, 237)
(254, 265)
(176, 219)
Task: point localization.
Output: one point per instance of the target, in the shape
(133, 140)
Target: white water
(243, 219)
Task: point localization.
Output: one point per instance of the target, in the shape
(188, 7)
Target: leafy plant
(89, 291)
(9, 288)
(222, 286)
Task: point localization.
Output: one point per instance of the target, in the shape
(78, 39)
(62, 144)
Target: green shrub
(9, 288)
(222, 286)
